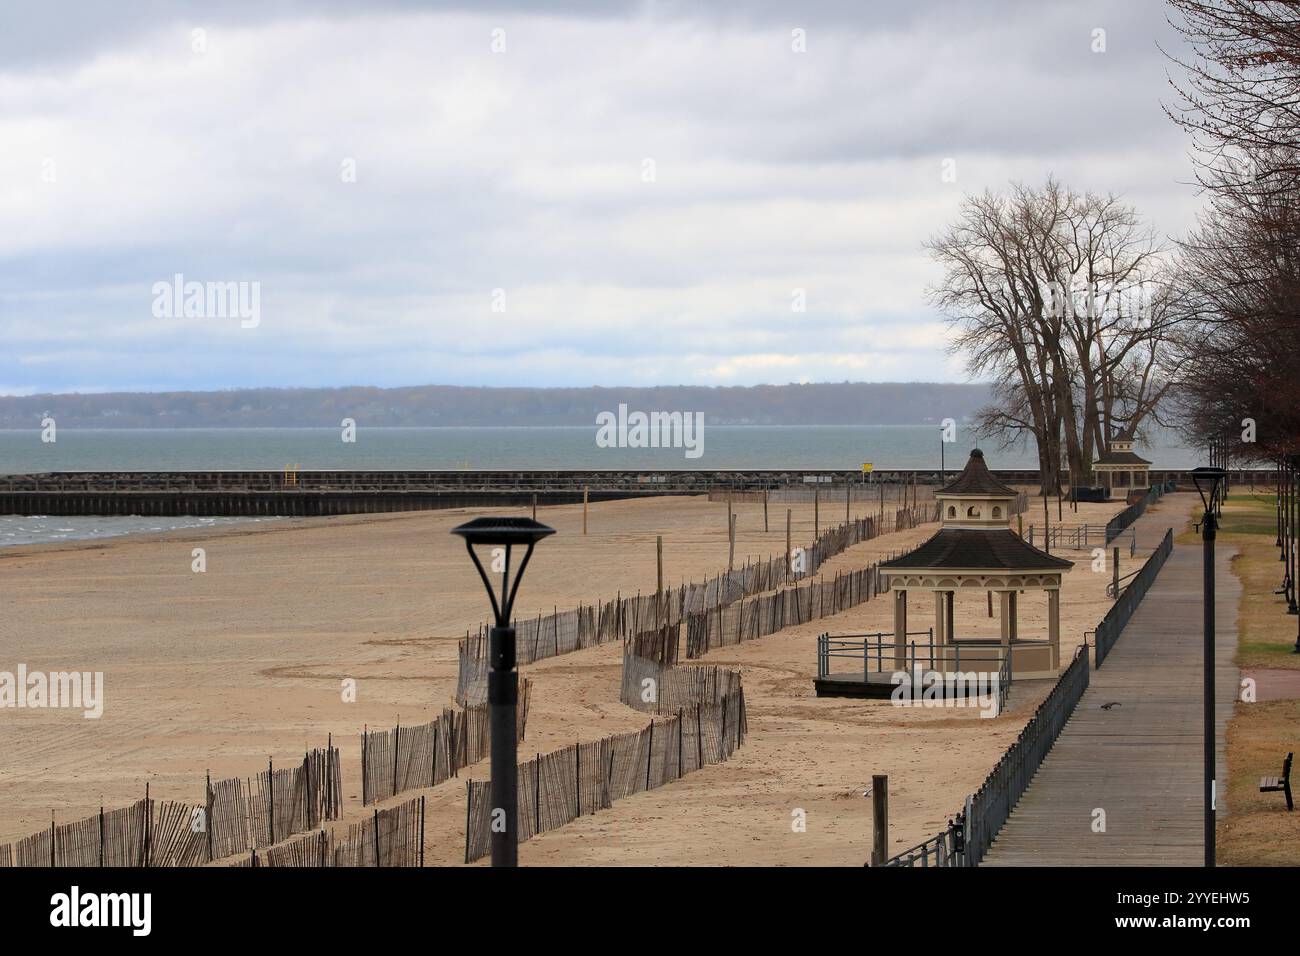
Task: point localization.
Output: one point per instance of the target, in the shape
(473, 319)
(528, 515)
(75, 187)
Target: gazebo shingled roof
(1121, 458)
(976, 479)
(968, 549)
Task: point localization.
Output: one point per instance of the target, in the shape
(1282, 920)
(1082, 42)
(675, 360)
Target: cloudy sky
(482, 193)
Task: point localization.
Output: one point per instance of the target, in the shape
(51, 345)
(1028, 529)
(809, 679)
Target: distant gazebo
(1121, 469)
(976, 548)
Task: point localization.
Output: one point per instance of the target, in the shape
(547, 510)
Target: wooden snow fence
(578, 780)
(163, 833)
(392, 837)
(409, 758)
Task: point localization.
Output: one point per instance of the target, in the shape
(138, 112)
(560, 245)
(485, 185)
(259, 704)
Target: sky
(513, 193)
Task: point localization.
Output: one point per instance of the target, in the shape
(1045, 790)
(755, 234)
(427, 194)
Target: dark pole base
(503, 700)
(1209, 738)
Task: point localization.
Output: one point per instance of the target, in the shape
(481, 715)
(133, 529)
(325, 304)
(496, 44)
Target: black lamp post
(943, 460)
(503, 685)
(1208, 482)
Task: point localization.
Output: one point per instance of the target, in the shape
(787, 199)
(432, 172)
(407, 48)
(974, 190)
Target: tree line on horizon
(846, 403)
(1091, 328)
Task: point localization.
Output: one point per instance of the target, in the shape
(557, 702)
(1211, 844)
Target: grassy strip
(1258, 831)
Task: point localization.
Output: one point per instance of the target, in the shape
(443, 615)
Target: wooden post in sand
(787, 541)
(879, 818)
(584, 509)
(534, 506)
(764, 510)
(659, 589)
(848, 496)
(1047, 526)
(731, 541)
(816, 512)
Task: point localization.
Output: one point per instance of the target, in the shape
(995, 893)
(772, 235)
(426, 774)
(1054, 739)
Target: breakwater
(311, 493)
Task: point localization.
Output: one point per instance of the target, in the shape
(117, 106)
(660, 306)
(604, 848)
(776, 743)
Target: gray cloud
(775, 171)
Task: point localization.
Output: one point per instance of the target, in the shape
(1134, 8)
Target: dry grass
(1266, 634)
(1258, 831)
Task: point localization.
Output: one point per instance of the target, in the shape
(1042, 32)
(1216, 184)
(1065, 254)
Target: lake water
(522, 448)
(271, 449)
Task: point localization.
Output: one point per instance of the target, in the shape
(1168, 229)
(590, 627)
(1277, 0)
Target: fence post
(148, 826)
(879, 818)
(377, 836)
(270, 789)
(207, 821)
(649, 753)
(397, 745)
(679, 742)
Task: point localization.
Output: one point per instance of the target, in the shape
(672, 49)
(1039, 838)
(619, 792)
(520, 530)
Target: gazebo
(1120, 468)
(975, 548)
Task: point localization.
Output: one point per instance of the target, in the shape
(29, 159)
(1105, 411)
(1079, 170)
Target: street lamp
(502, 535)
(943, 461)
(1208, 481)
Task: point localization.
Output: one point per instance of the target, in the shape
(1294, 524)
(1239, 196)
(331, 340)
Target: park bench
(1283, 783)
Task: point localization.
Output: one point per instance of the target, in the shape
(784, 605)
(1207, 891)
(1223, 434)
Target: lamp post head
(507, 533)
(1207, 479)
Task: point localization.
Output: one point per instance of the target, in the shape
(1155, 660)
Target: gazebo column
(938, 625)
(949, 636)
(1004, 615)
(900, 628)
(1054, 624)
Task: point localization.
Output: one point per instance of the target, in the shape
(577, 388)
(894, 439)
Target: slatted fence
(559, 787)
(409, 758)
(392, 837)
(232, 819)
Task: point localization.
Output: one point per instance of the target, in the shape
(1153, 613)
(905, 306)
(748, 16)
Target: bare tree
(1240, 101)
(1058, 297)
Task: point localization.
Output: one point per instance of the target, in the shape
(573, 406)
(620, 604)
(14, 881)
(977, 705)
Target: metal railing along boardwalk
(1134, 511)
(1112, 625)
(967, 838)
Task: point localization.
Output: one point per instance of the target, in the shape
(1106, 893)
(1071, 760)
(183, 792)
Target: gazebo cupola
(975, 499)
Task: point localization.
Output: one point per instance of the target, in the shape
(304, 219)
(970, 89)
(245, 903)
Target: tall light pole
(1208, 482)
(502, 535)
(943, 464)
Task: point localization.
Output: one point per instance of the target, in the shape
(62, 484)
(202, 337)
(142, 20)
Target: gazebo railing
(878, 654)
(1078, 537)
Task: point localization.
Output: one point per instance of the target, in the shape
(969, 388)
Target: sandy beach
(217, 671)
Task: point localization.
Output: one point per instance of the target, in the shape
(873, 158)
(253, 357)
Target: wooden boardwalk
(1140, 760)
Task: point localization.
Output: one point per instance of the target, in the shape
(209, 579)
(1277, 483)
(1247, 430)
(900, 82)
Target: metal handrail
(1112, 625)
